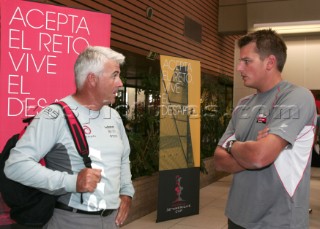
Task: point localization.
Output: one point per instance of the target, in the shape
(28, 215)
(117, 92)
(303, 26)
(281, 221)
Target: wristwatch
(229, 146)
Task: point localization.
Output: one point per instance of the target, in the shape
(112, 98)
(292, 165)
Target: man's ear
(272, 62)
(92, 80)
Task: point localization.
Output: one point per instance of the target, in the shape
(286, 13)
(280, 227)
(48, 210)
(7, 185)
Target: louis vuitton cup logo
(178, 189)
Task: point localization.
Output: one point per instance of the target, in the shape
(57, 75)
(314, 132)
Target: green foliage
(144, 142)
(215, 115)
(144, 129)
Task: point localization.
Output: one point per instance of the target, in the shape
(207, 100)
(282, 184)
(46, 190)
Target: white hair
(92, 60)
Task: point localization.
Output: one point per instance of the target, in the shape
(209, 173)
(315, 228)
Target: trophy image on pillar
(178, 189)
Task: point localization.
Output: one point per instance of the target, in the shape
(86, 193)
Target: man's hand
(260, 153)
(123, 209)
(88, 179)
(224, 161)
(263, 133)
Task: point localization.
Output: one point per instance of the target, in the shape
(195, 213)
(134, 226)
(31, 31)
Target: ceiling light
(291, 27)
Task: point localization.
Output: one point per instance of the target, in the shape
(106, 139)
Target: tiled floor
(212, 203)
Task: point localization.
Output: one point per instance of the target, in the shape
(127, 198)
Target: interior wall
(232, 16)
(302, 66)
(266, 11)
(136, 30)
(303, 63)
(239, 16)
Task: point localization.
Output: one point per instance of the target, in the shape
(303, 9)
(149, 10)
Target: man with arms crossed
(268, 141)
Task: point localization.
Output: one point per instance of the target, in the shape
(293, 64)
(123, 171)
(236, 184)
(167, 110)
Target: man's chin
(250, 86)
(108, 102)
(247, 84)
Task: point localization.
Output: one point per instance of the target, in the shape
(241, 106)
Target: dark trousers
(232, 225)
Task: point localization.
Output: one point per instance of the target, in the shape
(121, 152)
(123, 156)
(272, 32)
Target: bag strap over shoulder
(77, 133)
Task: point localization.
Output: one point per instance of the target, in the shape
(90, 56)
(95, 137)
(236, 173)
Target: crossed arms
(250, 154)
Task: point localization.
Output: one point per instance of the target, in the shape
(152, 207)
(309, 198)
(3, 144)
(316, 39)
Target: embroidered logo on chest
(111, 131)
(262, 118)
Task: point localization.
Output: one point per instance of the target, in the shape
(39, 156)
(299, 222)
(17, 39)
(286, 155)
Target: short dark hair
(268, 42)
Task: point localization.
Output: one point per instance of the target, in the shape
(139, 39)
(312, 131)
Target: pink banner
(39, 45)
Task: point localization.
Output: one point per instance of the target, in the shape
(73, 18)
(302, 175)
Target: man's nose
(119, 83)
(239, 67)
